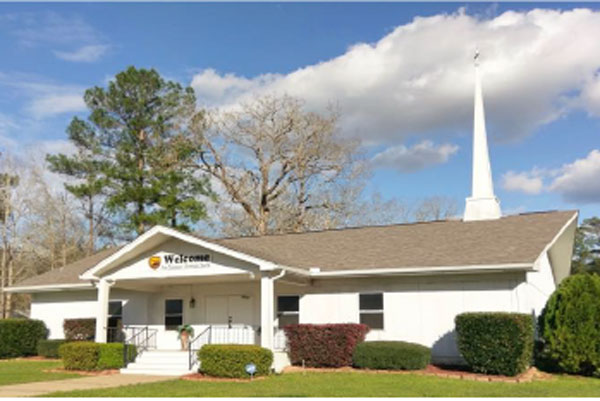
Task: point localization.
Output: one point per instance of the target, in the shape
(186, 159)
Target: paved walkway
(80, 383)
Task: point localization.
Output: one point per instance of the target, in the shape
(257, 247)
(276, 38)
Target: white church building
(407, 282)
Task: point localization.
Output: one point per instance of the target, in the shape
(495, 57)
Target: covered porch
(166, 279)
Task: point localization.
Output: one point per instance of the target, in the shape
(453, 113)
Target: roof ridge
(413, 223)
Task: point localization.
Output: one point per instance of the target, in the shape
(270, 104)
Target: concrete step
(169, 363)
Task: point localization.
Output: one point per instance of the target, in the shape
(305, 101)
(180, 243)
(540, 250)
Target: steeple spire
(483, 204)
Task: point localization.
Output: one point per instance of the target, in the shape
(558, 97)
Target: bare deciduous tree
(280, 167)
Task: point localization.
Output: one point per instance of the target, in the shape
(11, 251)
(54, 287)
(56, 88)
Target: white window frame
(288, 313)
(173, 314)
(373, 311)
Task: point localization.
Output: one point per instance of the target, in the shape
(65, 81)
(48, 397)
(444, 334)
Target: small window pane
(284, 320)
(373, 320)
(115, 308)
(173, 306)
(288, 303)
(371, 301)
(172, 322)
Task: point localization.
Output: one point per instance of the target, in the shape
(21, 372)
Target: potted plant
(185, 332)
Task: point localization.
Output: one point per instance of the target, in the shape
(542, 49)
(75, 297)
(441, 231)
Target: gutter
(423, 270)
(49, 287)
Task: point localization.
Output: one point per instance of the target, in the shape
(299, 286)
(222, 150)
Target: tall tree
(586, 255)
(136, 134)
(89, 169)
(281, 167)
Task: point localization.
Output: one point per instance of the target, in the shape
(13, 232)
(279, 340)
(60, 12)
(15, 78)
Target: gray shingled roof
(512, 239)
(68, 274)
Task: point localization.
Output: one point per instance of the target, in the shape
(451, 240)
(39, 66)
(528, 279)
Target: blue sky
(403, 84)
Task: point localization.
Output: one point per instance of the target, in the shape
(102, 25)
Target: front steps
(160, 363)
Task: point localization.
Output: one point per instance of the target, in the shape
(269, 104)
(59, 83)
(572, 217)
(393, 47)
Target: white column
(267, 296)
(103, 288)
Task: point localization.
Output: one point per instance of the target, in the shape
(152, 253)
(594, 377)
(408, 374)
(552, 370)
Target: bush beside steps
(391, 355)
(229, 360)
(83, 355)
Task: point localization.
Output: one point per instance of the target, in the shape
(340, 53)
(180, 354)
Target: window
(115, 313)
(288, 310)
(173, 313)
(371, 310)
(115, 321)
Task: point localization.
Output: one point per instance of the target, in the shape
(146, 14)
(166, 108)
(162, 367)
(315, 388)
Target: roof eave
(28, 289)
(423, 270)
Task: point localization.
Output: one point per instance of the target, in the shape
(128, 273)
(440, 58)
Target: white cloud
(50, 105)
(417, 81)
(42, 98)
(85, 54)
(527, 182)
(417, 157)
(213, 88)
(579, 182)
(77, 39)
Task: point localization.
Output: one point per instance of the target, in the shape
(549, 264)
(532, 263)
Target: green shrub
(495, 342)
(395, 355)
(19, 337)
(49, 348)
(569, 327)
(80, 329)
(83, 355)
(231, 360)
(79, 355)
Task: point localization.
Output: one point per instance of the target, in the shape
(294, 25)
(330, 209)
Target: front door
(229, 309)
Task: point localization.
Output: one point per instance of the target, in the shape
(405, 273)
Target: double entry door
(230, 310)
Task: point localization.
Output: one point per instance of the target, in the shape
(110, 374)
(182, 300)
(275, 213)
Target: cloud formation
(417, 157)
(43, 98)
(70, 38)
(417, 81)
(575, 182)
(86, 54)
(528, 182)
(579, 182)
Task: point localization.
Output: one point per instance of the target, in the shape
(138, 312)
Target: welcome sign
(179, 261)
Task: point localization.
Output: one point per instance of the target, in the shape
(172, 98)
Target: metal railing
(142, 338)
(220, 334)
(195, 345)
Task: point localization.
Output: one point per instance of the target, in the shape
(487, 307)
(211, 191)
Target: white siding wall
(416, 309)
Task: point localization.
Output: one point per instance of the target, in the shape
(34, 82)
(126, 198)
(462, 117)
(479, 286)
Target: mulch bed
(107, 372)
(532, 374)
(204, 378)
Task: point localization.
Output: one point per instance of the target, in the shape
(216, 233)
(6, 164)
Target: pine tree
(138, 127)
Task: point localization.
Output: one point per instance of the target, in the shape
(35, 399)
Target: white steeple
(483, 204)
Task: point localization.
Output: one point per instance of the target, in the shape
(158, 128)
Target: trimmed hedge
(569, 327)
(228, 360)
(80, 329)
(323, 345)
(19, 337)
(84, 355)
(393, 355)
(49, 348)
(495, 342)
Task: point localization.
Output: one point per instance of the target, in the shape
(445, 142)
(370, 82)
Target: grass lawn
(353, 385)
(13, 371)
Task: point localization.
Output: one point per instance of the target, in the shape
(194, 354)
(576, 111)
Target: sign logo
(174, 261)
(154, 262)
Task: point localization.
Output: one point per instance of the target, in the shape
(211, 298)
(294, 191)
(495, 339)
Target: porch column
(103, 288)
(267, 296)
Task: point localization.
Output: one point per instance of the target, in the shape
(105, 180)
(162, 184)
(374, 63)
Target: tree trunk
(90, 249)
(5, 246)
(140, 204)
